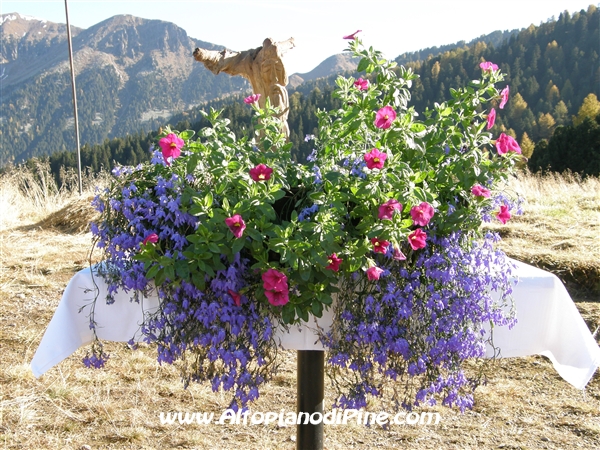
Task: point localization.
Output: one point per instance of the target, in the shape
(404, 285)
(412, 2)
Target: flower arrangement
(237, 239)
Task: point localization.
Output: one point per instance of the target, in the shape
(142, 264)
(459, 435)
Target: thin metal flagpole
(74, 99)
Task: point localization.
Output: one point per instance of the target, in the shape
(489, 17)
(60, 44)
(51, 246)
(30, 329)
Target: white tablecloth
(548, 324)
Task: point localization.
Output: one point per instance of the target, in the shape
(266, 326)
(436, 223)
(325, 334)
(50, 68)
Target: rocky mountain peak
(128, 36)
(20, 32)
(342, 62)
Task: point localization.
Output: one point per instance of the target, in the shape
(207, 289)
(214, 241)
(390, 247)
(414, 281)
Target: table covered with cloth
(548, 324)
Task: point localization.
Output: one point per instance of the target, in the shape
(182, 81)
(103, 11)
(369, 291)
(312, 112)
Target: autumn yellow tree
(517, 107)
(435, 71)
(546, 125)
(552, 92)
(527, 146)
(561, 113)
(589, 108)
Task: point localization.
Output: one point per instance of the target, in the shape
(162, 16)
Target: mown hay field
(44, 241)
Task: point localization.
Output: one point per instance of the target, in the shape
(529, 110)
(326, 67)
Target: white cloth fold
(548, 324)
(70, 328)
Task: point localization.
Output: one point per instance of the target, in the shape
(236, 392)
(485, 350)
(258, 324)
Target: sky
(391, 26)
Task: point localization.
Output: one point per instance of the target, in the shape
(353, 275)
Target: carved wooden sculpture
(262, 66)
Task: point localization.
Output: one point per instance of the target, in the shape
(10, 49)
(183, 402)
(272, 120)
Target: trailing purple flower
(429, 318)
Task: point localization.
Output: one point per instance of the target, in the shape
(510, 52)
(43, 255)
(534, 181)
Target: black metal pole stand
(310, 392)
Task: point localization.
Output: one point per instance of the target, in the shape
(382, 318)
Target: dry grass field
(524, 405)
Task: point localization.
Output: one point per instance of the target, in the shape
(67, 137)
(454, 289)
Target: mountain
(334, 65)
(26, 36)
(131, 74)
(344, 62)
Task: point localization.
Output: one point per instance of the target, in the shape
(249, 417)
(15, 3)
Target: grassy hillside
(525, 404)
(559, 230)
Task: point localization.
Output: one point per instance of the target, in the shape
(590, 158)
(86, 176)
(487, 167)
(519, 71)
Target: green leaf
(220, 188)
(326, 299)
(355, 125)
(198, 280)
(152, 271)
(170, 272)
(254, 234)
(182, 269)
(420, 194)
(192, 163)
(234, 165)
(187, 134)
(362, 65)
(204, 255)
(217, 264)
(196, 210)
(237, 246)
(208, 200)
(420, 176)
(302, 313)
(305, 273)
(417, 127)
(446, 112)
(287, 313)
(317, 309)
(159, 279)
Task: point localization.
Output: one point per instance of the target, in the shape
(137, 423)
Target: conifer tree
(527, 146)
(589, 108)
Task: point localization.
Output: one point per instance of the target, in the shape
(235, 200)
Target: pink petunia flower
(236, 224)
(362, 84)
(398, 255)
(479, 191)
(379, 245)
(278, 298)
(488, 66)
(252, 99)
(506, 143)
(171, 146)
(276, 287)
(151, 238)
(352, 36)
(491, 118)
(504, 214)
(375, 159)
(422, 213)
(373, 273)
(503, 97)
(274, 280)
(384, 117)
(386, 211)
(237, 298)
(334, 262)
(417, 239)
(261, 173)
